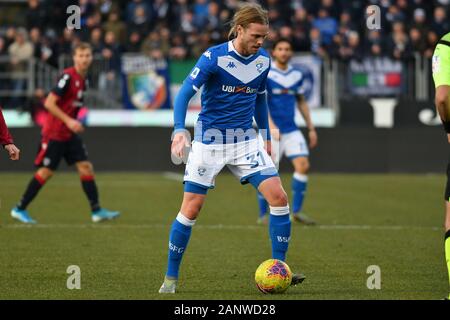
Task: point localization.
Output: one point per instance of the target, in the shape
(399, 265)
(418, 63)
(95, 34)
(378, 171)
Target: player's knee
(192, 204)
(44, 173)
(85, 169)
(301, 165)
(278, 198)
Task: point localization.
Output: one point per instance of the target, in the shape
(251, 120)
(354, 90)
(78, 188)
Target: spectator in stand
(109, 78)
(204, 42)
(398, 45)
(93, 21)
(332, 7)
(431, 40)
(35, 15)
(115, 25)
(165, 41)
(418, 42)
(140, 21)
(420, 21)
(96, 40)
(440, 24)
(394, 14)
(20, 52)
(35, 39)
(87, 9)
(345, 23)
(200, 12)
(131, 12)
(213, 20)
(4, 83)
(134, 42)
(187, 22)
(10, 36)
(374, 45)
(301, 27)
(178, 50)
(176, 12)
(152, 41)
(327, 26)
(160, 9)
(317, 46)
(66, 42)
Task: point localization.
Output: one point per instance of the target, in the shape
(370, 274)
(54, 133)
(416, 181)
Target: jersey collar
(289, 68)
(232, 48)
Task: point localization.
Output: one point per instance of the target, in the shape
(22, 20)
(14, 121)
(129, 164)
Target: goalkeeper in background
(441, 77)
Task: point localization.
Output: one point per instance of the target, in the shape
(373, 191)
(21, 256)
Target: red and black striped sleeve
(5, 136)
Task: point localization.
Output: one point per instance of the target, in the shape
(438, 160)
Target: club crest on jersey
(201, 171)
(259, 65)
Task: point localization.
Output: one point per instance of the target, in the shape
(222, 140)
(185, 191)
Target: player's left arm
(261, 113)
(303, 107)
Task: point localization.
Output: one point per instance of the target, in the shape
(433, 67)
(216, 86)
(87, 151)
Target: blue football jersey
(283, 87)
(230, 83)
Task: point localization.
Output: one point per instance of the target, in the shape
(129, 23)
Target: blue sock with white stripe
(280, 231)
(178, 241)
(263, 206)
(299, 183)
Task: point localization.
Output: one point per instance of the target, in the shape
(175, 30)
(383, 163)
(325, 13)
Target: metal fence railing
(338, 79)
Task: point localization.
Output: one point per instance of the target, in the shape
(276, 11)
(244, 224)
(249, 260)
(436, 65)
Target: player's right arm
(204, 68)
(52, 106)
(6, 140)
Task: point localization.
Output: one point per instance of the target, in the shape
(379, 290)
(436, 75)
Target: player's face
(252, 37)
(82, 59)
(282, 52)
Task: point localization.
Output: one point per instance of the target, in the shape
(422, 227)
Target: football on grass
(273, 276)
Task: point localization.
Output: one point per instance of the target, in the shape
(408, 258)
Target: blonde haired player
(233, 76)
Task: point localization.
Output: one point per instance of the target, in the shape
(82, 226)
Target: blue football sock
(299, 183)
(280, 231)
(263, 206)
(178, 241)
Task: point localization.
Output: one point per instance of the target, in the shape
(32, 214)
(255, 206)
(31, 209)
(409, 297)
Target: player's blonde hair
(248, 13)
(81, 46)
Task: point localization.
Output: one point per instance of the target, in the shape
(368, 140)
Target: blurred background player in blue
(284, 93)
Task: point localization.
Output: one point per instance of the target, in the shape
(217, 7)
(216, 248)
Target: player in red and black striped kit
(6, 139)
(60, 138)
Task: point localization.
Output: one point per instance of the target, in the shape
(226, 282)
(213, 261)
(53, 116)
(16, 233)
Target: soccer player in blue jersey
(233, 76)
(284, 92)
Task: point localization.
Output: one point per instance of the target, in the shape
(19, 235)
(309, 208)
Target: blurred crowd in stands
(183, 29)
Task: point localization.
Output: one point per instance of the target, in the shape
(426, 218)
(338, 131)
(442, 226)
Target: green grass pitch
(393, 221)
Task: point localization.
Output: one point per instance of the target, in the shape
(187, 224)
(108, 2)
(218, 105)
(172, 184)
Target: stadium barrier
(403, 149)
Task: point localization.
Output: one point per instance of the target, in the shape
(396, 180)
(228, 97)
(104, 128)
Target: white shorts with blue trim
(292, 145)
(246, 160)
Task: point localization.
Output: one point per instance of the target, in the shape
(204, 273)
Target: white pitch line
(212, 226)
